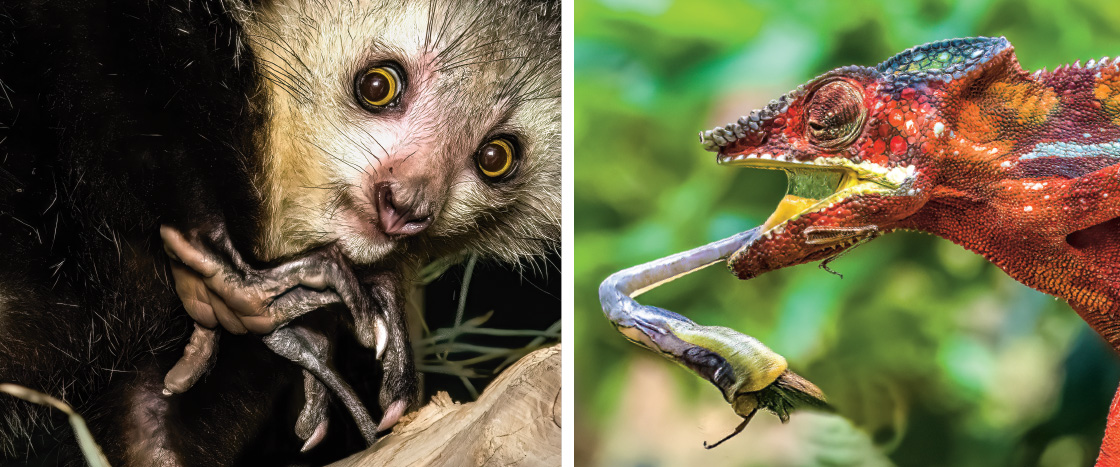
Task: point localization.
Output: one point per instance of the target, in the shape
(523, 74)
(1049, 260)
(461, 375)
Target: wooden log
(515, 422)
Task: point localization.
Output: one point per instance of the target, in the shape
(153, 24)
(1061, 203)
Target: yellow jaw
(818, 184)
(788, 207)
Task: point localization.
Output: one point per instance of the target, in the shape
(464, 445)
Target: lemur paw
(217, 287)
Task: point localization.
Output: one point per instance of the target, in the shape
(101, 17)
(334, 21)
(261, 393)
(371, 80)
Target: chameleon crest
(935, 138)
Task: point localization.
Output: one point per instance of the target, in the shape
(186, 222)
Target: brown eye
(835, 115)
(379, 86)
(495, 159)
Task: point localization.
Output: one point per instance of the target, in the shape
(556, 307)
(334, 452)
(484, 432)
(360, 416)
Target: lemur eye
(496, 158)
(835, 115)
(379, 86)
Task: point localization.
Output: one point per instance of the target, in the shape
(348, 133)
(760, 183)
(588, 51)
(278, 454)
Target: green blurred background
(935, 355)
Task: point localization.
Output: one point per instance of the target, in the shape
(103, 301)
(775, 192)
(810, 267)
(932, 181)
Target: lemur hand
(218, 288)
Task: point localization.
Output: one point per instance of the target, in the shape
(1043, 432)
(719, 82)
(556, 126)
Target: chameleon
(952, 138)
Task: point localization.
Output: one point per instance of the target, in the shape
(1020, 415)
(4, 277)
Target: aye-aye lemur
(249, 162)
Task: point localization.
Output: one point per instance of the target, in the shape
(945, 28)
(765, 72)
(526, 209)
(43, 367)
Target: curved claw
(392, 415)
(315, 437)
(311, 426)
(400, 383)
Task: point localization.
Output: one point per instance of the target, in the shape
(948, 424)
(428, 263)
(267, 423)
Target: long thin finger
(311, 426)
(197, 359)
(328, 269)
(298, 302)
(294, 343)
(218, 275)
(195, 296)
(248, 294)
(179, 248)
(225, 316)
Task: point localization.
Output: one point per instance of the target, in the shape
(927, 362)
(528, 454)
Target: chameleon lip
(809, 190)
(889, 177)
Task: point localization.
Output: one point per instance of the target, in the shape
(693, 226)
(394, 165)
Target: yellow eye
(495, 158)
(379, 86)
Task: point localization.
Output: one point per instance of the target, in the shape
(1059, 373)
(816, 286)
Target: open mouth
(820, 183)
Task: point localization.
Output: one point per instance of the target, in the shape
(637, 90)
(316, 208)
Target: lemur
(147, 149)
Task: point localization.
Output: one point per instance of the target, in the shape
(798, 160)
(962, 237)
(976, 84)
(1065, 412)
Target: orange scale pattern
(1022, 168)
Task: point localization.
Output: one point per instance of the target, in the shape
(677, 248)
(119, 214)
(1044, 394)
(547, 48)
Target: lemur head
(408, 127)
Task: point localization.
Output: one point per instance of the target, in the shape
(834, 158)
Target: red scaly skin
(955, 139)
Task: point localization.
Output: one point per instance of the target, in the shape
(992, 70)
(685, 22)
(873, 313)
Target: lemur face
(418, 128)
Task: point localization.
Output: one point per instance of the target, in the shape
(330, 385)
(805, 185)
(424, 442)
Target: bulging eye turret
(379, 87)
(497, 158)
(835, 115)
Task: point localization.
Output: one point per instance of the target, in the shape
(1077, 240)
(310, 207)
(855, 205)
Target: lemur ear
(948, 60)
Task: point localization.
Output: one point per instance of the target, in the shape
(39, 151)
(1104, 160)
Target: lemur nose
(399, 218)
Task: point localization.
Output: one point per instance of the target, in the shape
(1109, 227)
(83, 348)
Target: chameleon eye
(496, 158)
(835, 115)
(379, 87)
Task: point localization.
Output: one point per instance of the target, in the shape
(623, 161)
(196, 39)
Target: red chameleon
(952, 138)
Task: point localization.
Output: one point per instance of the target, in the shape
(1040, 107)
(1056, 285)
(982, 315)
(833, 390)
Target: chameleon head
(861, 147)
